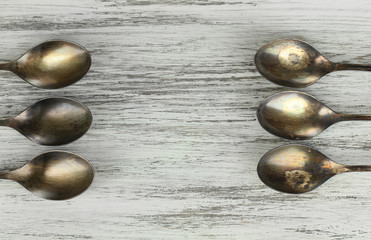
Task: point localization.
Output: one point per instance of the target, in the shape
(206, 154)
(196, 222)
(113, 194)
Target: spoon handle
(358, 168)
(351, 117)
(4, 122)
(349, 66)
(4, 175)
(6, 66)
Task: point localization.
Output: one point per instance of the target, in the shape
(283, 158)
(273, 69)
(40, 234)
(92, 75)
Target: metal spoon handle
(4, 122)
(351, 117)
(4, 175)
(348, 66)
(358, 168)
(13, 175)
(5, 66)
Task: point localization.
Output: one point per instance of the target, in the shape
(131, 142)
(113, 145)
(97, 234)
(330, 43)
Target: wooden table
(175, 141)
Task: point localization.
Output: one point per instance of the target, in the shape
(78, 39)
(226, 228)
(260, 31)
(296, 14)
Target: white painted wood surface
(175, 141)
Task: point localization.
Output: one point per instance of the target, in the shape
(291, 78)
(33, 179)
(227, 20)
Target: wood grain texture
(175, 141)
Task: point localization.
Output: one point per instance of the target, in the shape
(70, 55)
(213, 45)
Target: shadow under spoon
(52, 121)
(55, 175)
(298, 169)
(52, 64)
(296, 115)
(296, 64)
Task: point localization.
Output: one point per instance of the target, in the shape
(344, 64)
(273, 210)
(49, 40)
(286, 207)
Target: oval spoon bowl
(52, 121)
(297, 168)
(296, 64)
(55, 175)
(52, 64)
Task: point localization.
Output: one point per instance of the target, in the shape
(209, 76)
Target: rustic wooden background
(175, 141)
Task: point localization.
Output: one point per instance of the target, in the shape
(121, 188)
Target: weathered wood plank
(175, 141)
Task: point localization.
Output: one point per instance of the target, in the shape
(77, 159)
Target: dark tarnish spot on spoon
(293, 58)
(299, 179)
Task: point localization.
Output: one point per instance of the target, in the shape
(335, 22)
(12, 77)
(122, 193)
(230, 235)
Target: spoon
(52, 64)
(296, 115)
(298, 169)
(52, 121)
(55, 175)
(294, 63)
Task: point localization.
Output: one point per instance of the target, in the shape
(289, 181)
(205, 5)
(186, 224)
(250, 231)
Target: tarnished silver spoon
(52, 121)
(298, 169)
(52, 64)
(55, 175)
(296, 115)
(294, 63)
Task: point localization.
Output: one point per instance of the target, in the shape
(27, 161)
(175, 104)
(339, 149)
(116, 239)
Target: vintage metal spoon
(298, 169)
(294, 63)
(53, 64)
(55, 175)
(297, 115)
(52, 121)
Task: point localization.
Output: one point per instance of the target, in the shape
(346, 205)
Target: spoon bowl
(52, 121)
(296, 64)
(52, 64)
(55, 175)
(298, 169)
(296, 116)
